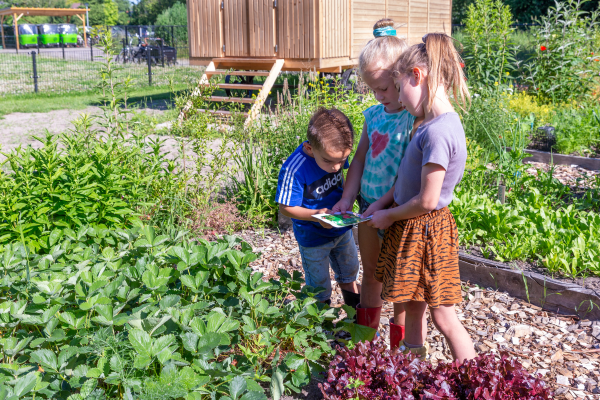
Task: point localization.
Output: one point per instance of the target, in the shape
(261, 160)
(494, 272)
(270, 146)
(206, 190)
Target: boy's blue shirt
(302, 183)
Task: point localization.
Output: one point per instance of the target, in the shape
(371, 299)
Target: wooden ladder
(257, 102)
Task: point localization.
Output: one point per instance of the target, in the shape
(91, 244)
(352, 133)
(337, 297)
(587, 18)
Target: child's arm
(432, 178)
(304, 214)
(352, 184)
(384, 202)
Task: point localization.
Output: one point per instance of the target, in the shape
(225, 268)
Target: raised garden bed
(551, 294)
(561, 159)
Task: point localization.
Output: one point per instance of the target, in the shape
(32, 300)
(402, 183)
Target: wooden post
(82, 18)
(2, 28)
(16, 24)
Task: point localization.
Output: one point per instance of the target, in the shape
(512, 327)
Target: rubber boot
(350, 298)
(368, 316)
(396, 334)
(421, 352)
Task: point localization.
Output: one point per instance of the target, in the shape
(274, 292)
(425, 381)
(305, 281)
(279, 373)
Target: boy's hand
(323, 211)
(342, 206)
(372, 209)
(380, 220)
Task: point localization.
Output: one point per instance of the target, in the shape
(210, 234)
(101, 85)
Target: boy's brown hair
(330, 128)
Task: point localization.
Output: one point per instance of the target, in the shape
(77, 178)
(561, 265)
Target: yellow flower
(269, 92)
(507, 74)
(495, 83)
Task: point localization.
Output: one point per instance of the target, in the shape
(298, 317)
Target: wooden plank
(222, 99)
(300, 37)
(253, 20)
(551, 294)
(241, 86)
(262, 96)
(237, 73)
(235, 28)
(312, 29)
(319, 21)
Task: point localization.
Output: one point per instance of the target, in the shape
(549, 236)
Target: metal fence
(140, 54)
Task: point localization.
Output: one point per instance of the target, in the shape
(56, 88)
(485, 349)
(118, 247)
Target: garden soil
(564, 350)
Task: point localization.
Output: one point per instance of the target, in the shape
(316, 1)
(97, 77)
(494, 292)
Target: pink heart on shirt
(380, 142)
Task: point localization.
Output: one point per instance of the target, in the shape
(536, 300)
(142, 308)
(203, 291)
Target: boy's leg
(445, 319)
(315, 262)
(344, 262)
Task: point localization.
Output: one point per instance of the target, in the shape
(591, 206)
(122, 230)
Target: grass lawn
(28, 103)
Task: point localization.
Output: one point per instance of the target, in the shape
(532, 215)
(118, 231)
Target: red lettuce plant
(390, 375)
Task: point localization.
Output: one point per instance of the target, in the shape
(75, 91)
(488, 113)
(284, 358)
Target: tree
(176, 15)
(103, 12)
(145, 12)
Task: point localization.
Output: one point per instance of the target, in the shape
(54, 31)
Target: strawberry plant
(389, 374)
(139, 315)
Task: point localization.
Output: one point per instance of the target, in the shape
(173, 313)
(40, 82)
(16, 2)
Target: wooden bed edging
(561, 159)
(542, 291)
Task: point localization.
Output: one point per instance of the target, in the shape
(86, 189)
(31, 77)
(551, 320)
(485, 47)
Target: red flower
(592, 53)
(462, 65)
(543, 48)
(595, 59)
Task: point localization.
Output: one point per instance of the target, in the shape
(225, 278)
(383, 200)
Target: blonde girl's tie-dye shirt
(389, 134)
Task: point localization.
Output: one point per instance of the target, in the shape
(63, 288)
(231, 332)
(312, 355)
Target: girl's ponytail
(438, 56)
(383, 50)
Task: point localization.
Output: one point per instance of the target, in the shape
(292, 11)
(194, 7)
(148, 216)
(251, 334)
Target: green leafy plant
(562, 67)
(154, 316)
(489, 50)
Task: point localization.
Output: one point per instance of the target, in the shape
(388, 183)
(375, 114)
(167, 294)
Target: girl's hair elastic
(385, 31)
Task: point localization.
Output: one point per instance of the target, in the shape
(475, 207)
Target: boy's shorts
(340, 253)
(419, 260)
(363, 205)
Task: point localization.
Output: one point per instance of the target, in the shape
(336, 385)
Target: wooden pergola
(18, 12)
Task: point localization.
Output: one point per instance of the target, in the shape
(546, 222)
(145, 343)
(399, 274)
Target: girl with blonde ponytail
(385, 136)
(418, 264)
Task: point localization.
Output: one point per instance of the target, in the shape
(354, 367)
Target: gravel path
(563, 349)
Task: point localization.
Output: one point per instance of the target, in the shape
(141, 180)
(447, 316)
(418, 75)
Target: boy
(311, 182)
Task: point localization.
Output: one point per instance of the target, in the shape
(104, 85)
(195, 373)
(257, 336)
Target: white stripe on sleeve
(286, 177)
(291, 184)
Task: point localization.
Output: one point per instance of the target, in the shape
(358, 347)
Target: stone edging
(542, 291)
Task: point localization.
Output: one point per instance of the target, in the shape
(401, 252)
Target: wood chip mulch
(563, 349)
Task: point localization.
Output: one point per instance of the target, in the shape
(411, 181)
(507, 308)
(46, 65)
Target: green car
(49, 35)
(68, 34)
(28, 35)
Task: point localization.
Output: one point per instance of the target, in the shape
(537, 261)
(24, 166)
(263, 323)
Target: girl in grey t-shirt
(418, 263)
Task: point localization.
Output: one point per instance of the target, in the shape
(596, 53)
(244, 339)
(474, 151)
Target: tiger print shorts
(419, 260)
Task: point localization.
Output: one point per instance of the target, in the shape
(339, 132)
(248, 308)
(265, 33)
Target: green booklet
(339, 220)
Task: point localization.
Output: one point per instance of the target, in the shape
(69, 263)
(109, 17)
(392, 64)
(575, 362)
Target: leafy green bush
(562, 67)
(577, 131)
(144, 316)
(489, 51)
(76, 179)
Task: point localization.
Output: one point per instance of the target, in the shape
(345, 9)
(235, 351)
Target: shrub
(524, 104)
(371, 371)
(489, 51)
(79, 179)
(562, 67)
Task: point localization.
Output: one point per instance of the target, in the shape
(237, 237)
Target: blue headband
(385, 31)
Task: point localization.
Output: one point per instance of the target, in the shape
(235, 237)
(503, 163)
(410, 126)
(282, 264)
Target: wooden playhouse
(295, 35)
